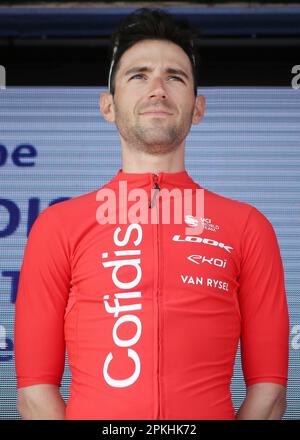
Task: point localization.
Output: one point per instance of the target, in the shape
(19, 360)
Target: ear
(106, 106)
(199, 109)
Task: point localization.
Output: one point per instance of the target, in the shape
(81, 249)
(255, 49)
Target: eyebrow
(138, 69)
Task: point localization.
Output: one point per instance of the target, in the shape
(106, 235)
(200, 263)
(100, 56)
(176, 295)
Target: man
(151, 316)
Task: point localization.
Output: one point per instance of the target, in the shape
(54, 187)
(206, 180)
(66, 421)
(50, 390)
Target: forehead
(155, 52)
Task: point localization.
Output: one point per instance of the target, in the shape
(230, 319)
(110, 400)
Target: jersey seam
(266, 379)
(69, 259)
(243, 238)
(70, 265)
(22, 380)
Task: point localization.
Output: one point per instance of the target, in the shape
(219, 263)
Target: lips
(156, 112)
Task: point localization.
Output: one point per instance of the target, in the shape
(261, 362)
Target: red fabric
(191, 299)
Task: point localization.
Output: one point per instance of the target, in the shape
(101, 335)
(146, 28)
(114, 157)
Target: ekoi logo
(213, 261)
(127, 258)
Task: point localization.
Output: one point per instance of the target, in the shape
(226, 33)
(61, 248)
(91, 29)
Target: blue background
(246, 148)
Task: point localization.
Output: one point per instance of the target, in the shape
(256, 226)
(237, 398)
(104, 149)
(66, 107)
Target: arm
(41, 402)
(264, 322)
(264, 401)
(42, 298)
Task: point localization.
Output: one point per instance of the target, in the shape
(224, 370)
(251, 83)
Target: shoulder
(68, 212)
(236, 212)
(241, 222)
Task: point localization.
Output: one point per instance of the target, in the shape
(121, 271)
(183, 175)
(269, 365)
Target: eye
(176, 77)
(137, 75)
(140, 75)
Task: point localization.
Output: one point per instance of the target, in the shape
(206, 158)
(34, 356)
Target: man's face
(154, 96)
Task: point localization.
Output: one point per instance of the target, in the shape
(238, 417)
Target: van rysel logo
(196, 239)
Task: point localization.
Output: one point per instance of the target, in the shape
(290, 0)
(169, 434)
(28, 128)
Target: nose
(157, 88)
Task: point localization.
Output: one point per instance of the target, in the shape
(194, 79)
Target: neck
(134, 161)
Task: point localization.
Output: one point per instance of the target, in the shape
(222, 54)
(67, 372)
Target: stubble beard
(156, 138)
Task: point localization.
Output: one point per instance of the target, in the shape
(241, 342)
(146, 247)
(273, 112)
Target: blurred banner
(54, 145)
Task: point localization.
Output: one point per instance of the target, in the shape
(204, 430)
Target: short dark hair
(156, 24)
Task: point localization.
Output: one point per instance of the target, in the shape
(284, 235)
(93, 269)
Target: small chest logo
(193, 222)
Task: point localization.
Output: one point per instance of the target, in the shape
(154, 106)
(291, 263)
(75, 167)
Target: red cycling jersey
(151, 316)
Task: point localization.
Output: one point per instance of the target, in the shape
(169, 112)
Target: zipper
(157, 188)
(156, 290)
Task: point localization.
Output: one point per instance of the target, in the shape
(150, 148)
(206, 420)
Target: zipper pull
(157, 188)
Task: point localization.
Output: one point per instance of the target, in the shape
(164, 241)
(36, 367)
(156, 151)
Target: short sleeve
(41, 300)
(263, 304)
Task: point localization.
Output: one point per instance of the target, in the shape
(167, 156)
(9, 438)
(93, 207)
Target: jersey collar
(178, 178)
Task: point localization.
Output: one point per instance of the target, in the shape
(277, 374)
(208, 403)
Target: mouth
(157, 113)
